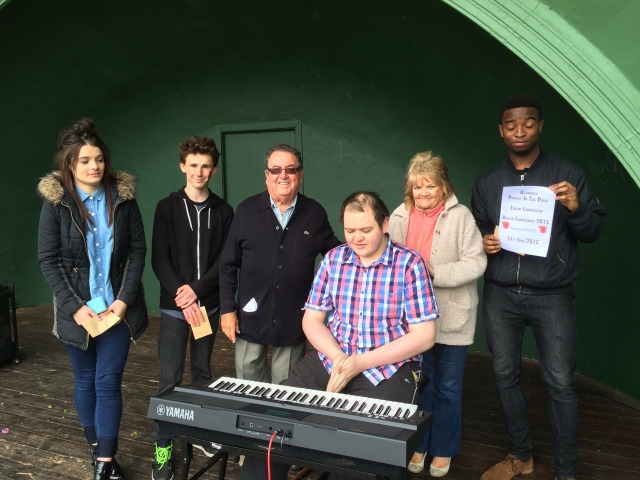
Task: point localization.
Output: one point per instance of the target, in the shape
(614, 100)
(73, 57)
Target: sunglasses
(288, 170)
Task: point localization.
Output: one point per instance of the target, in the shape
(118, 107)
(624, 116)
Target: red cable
(273, 435)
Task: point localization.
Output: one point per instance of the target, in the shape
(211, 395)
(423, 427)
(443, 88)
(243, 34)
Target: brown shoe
(508, 468)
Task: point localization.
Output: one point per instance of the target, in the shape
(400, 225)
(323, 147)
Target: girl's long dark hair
(83, 132)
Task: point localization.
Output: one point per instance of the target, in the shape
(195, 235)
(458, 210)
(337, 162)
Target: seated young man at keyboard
(381, 308)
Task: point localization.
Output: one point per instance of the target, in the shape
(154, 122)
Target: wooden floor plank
(44, 439)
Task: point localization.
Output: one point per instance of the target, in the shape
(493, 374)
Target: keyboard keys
(313, 398)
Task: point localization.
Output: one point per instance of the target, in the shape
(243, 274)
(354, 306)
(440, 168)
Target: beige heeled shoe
(417, 467)
(439, 471)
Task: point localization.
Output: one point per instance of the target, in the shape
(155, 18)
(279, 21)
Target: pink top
(422, 224)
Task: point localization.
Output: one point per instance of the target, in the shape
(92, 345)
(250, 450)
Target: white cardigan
(458, 260)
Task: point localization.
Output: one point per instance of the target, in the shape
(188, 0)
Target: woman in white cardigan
(432, 222)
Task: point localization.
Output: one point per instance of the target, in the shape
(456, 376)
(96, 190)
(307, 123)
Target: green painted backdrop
(370, 86)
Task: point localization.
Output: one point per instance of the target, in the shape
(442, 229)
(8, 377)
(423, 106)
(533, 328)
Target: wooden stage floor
(42, 439)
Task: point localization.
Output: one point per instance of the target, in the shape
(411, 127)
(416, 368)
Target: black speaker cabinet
(9, 350)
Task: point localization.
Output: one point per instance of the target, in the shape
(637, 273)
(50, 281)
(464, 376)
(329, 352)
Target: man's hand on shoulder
(230, 325)
(566, 194)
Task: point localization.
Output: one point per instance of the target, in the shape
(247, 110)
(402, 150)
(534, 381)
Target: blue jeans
(443, 365)
(98, 380)
(506, 312)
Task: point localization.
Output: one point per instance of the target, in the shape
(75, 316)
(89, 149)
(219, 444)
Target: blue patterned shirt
(373, 305)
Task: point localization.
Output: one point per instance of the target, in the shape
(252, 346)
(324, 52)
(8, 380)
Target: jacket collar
(264, 201)
(402, 211)
(540, 159)
(51, 189)
(212, 199)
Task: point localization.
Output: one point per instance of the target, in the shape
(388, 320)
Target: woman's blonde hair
(421, 165)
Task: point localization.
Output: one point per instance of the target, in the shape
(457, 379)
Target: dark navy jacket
(560, 267)
(272, 268)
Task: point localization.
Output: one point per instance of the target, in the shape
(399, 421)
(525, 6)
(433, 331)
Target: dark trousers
(506, 312)
(173, 335)
(403, 387)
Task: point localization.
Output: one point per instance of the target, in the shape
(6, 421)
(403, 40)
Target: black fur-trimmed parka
(63, 257)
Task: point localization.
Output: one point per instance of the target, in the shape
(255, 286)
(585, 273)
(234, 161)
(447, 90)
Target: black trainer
(162, 467)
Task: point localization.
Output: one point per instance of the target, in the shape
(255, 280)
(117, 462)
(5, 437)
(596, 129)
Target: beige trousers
(251, 361)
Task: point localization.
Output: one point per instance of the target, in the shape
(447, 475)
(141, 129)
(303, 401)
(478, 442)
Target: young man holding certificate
(189, 231)
(523, 289)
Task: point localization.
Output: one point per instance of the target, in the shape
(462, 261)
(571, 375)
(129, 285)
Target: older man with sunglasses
(269, 260)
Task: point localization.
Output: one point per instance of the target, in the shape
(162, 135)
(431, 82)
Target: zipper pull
(522, 175)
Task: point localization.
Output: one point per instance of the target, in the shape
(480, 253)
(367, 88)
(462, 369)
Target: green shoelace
(163, 454)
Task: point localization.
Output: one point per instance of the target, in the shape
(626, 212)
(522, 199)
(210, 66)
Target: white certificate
(526, 216)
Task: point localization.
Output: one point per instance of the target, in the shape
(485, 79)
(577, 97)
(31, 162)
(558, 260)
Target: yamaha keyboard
(340, 431)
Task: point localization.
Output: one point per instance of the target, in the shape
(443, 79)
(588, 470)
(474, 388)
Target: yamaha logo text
(173, 412)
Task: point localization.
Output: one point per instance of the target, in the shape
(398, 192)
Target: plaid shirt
(372, 306)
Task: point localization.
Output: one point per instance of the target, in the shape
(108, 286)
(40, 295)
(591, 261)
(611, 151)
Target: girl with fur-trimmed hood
(91, 248)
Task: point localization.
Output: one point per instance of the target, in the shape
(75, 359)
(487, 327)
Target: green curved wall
(371, 87)
(582, 48)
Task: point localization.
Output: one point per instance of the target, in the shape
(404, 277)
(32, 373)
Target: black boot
(102, 470)
(116, 470)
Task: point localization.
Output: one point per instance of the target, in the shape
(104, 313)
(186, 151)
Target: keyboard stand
(316, 463)
(221, 456)
(324, 470)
